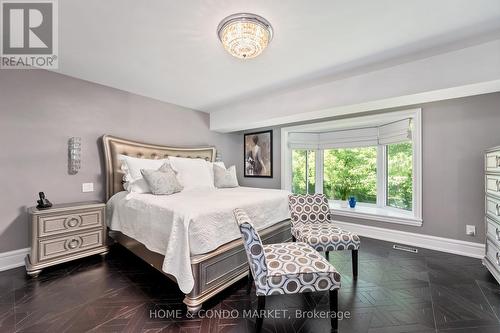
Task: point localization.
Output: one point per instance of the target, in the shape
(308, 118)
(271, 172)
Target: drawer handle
(72, 221)
(498, 258)
(498, 234)
(498, 161)
(498, 185)
(498, 209)
(73, 243)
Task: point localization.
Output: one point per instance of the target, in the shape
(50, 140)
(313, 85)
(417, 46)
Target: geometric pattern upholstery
(312, 224)
(327, 237)
(254, 249)
(298, 268)
(309, 208)
(285, 268)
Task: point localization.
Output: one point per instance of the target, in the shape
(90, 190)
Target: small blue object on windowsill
(352, 202)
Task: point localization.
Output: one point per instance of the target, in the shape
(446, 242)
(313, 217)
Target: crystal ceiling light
(245, 35)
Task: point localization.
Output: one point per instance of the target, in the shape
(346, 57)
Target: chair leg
(355, 264)
(327, 254)
(250, 280)
(310, 300)
(294, 239)
(334, 304)
(261, 305)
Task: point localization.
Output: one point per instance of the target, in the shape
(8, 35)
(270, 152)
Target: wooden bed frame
(213, 271)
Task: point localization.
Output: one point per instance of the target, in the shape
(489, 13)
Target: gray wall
(455, 134)
(40, 110)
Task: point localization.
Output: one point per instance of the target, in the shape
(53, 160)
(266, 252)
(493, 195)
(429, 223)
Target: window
(400, 175)
(304, 171)
(350, 172)
(376, 159)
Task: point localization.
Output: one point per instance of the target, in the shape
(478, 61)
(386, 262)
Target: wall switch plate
(470, 230)
(88, 187)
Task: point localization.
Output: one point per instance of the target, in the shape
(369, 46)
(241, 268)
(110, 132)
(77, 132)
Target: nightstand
(65, 232)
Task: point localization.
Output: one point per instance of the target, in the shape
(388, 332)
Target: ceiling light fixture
(245, 35)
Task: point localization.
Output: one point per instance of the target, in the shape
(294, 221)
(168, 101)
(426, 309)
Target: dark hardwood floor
(396, 292)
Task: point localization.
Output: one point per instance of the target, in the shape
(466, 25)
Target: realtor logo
(29, 34)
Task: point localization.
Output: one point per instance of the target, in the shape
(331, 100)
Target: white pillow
(211, 168)
(132, 166)
(137, 186)
(225, 178)
(193, 173)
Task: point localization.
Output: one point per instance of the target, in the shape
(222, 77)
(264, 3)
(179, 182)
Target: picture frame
(258, 154)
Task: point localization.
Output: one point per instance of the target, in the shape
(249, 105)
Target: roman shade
(394, 132)
(303, 140)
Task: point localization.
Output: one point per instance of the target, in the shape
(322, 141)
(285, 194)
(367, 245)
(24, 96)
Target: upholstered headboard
(114, 146)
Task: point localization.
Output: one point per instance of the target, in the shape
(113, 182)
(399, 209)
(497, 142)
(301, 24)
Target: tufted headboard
(114, 146)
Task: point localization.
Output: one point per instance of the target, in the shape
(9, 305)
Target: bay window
(376, 159)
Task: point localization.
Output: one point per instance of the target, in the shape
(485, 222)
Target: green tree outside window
(351, 172)
(400, 175)
(301, 185)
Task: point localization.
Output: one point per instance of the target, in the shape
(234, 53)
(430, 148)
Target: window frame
(307, 150)
(379, 211)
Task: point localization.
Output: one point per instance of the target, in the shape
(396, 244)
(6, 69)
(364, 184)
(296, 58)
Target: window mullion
(307, 171)
(319, 170)
(381, 175)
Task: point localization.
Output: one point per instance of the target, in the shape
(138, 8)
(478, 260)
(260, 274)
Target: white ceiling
(168, 49)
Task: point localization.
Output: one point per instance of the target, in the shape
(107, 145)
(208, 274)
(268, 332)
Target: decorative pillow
(193, 173)
(162, 181)
(225, 177)
(132, 166)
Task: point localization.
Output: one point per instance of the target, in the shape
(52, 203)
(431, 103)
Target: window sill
(376, 214)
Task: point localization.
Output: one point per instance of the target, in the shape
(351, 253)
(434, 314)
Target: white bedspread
(192, 222)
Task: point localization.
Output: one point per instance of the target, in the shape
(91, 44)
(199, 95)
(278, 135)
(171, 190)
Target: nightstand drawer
(50, 225)
(67, 245)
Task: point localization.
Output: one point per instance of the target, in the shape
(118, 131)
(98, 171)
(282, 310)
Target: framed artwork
(258, 154)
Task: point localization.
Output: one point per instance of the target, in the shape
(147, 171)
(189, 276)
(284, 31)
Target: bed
(190, 237)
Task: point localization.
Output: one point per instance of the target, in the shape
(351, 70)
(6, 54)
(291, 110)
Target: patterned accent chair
(312, 223)
(286, 268)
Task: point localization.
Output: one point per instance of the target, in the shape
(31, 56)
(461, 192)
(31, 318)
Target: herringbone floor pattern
(396, 292)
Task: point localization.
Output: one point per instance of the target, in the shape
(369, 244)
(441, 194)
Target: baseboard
(455, 246)
(13, 259)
